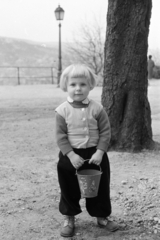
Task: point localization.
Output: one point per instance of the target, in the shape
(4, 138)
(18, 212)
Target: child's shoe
(68, 226)
(109, 225)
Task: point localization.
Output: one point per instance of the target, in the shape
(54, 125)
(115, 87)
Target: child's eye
(83, 84)
(72, 84)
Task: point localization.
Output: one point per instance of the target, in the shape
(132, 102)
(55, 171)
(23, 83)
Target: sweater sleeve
(61, 135)
(104, 131)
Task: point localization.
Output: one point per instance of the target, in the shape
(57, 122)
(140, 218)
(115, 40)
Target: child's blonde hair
(75, 71)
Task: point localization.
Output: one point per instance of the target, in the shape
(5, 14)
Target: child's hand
(97, 157)
(75, 159)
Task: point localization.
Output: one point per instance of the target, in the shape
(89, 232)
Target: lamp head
(59, 13)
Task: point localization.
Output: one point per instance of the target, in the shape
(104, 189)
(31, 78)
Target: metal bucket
(89, 180)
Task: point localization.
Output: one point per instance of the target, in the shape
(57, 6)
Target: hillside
(15, 52)
(23, 53)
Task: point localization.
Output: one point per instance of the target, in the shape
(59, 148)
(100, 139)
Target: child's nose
(78, 87)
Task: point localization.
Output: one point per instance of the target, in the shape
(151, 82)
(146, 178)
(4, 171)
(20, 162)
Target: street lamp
(59, 13)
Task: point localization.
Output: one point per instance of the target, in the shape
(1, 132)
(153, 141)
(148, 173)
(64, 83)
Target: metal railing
(48, 74)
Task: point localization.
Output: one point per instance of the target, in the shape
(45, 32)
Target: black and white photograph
(79, 120)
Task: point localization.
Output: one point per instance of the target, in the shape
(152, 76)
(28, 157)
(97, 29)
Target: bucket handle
(85, 160)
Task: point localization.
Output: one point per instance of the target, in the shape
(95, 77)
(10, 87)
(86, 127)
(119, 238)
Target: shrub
(156, 72)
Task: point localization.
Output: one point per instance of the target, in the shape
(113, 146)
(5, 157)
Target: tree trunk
(124, 94)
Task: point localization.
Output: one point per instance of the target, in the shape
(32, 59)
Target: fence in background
(23, 75)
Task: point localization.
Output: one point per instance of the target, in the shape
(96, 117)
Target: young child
(82, 132)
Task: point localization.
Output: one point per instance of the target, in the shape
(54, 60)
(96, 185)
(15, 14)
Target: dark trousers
(99, 206)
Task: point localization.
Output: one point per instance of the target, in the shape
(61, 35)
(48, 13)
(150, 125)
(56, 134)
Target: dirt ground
(29, 192)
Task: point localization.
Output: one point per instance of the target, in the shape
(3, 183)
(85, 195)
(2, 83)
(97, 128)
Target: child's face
(78, 88)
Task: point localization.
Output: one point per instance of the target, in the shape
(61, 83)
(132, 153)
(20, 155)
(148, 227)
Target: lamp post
(59, 13)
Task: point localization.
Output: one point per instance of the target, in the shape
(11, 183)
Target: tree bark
(125, 85)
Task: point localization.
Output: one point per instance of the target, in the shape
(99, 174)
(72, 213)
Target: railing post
(18, 75)
(52, 75)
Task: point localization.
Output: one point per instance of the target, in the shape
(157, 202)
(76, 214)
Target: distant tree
(124, 94)
(88, 46)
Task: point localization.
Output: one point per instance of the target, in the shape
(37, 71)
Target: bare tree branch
(88, 47)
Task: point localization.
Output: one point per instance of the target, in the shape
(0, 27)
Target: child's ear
(93, 79)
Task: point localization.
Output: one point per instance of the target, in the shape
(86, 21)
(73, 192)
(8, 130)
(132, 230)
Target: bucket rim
(98, 172)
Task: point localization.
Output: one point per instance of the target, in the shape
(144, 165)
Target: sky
(35, 19)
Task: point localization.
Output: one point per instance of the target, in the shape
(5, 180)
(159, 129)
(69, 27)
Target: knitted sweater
(81, 125)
